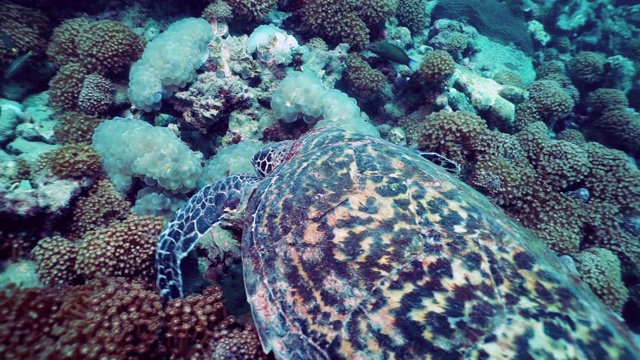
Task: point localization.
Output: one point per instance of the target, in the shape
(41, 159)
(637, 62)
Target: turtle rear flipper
(203, 211)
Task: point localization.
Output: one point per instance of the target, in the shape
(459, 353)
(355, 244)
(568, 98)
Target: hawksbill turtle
(355, 248)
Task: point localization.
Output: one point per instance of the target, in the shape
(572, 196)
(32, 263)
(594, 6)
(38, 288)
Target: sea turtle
(355, 248)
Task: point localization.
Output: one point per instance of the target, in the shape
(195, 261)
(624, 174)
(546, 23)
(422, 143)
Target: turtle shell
(358, 248)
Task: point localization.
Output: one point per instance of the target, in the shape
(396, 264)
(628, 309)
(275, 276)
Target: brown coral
(619, 129)
(601, 270)
(198, 327)
(459, 136)
(65, 87)
(436, 68)
(255, 9)
(560, 164)
(25, 27)
(413, 14)
(234, 341)
(218, 11)
(605, 99)
(124, 248)
(587, 68)
(63, 48)
(96, 95)
(110, 319)
(29, 322)
(101, 206)
(336, 21)
(74, 127)
(364, 81)
(108, 46)
(72, 161)
(551, 101)
(191, 322)
(116, 318)
(56, 259)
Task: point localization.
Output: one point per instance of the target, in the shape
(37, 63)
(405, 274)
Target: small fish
(17, 64)
(393, 53)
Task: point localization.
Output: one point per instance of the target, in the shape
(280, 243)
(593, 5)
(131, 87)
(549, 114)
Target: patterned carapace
(355, 248)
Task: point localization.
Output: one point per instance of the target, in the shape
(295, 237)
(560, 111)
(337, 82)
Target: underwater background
(112, 114)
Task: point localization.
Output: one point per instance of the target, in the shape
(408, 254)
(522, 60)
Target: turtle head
(269, 158)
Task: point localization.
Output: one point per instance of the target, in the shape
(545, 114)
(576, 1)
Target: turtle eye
(268, 159)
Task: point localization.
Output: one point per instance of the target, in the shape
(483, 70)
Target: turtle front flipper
(203, 211)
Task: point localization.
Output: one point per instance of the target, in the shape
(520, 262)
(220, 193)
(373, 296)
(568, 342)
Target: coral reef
(587, 68)
(557, 148)
(491, 17)
(618, 128)
(72, 161)
(96, 95)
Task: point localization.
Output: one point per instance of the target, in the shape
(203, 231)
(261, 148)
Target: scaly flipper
(203, 211)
